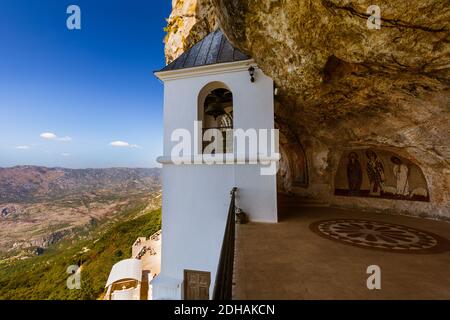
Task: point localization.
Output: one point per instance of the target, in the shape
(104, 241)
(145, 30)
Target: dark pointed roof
(214, 48)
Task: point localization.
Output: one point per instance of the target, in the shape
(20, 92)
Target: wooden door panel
(196, 285)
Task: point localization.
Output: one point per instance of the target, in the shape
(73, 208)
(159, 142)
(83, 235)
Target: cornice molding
(219, 68)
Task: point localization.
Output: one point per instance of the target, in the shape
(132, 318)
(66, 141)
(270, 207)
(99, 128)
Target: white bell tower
(210, 86)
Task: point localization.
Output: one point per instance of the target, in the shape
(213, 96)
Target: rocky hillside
(342, 85)
(44, 277)
(41, 206)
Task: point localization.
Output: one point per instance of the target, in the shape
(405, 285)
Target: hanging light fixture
(251, 71)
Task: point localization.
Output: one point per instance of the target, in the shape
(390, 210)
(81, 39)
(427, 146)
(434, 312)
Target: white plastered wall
(196, 196)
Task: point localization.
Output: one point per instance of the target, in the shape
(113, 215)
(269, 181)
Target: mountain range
(28, 184)
(40, 206)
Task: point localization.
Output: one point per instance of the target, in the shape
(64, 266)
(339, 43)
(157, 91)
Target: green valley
(45, 276)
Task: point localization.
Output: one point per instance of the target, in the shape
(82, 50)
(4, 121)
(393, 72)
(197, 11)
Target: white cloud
(65, 154)
(123, 144)
(22, 147)
(52, 136)
(120, 144)
(48, 136)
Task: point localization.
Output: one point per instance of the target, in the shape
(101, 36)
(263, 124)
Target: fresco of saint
(375, 172)
(401, 173)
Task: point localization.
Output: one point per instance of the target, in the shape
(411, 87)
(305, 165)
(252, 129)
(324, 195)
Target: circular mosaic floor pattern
(380, 236)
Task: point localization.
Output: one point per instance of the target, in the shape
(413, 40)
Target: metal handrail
(224, 277)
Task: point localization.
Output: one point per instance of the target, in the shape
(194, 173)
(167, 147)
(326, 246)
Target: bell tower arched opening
(216, 115)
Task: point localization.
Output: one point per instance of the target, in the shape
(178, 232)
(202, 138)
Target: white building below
(130, 279)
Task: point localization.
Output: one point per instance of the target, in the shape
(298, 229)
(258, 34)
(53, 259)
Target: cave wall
(342, 86)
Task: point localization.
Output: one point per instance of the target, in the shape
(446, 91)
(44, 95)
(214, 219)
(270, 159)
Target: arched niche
(381, 174)
(293, 167)
(215, 111)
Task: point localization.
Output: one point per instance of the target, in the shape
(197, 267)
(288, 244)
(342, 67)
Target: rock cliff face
(189, 22)
(344, 86)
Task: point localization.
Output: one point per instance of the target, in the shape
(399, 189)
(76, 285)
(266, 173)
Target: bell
(215, 108)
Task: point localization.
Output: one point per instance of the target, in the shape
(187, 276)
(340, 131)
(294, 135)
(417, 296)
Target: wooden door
(196, 285)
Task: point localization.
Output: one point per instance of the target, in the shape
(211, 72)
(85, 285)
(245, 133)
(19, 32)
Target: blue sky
(66, 95)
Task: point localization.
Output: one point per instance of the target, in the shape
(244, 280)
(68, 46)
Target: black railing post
(224, 277)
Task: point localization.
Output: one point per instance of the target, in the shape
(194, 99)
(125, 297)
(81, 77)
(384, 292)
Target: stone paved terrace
(289, 260)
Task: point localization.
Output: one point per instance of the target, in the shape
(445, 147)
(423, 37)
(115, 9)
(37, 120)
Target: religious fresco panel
(380, 174)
